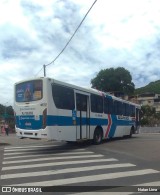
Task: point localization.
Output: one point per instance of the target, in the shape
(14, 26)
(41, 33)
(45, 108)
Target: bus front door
(82, 107)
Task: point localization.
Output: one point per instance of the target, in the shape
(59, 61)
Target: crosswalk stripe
(10, 157)
(53, 158)
(38, 155)
(90, 178)
(104, 193)
(57, 163)
(66, 170)
(34, 152)
(25, 147)
(155, 183)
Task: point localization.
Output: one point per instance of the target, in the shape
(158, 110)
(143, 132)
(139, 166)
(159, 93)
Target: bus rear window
(29, 91)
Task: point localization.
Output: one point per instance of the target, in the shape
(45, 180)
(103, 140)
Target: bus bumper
(40, 134)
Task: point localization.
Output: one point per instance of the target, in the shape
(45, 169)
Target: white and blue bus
(47, 108)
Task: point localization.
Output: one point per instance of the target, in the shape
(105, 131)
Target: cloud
(33, 33)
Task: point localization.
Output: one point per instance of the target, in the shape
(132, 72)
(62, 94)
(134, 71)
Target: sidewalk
(13, 140)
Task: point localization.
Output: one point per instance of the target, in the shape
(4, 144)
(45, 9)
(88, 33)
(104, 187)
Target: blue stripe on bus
(98, 121)
(113, 126)
(24, 122)
(28, 122)
(68, 121)
(116, 122)
(59, 120)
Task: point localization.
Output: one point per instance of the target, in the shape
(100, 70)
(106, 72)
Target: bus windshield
(29, 91)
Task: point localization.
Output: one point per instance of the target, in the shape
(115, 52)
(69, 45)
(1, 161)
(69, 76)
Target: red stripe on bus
(109, 125)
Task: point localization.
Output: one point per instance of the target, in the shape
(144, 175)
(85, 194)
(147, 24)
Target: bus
(55, 110)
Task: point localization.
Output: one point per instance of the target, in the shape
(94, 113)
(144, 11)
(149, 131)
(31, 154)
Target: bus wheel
(21, 137)
(97, 139)
(131, 132)
(70, 142)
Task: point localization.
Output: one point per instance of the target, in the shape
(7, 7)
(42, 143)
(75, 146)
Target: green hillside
(153, 87)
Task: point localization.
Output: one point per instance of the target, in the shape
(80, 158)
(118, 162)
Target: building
(150, 99)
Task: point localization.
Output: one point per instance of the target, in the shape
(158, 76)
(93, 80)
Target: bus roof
(83, 89)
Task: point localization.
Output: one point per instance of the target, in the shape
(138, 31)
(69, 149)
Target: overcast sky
(116, 33)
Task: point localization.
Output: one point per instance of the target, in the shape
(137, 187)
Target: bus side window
(108, 106)
(124, 105)
(63, 97)
(96, 103)
(124, 109)
(133, 111)
(81, 102)
(115, 107)
(120, 108)
(128, 110)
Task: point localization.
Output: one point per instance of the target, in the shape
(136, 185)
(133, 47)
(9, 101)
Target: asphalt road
(117, 162)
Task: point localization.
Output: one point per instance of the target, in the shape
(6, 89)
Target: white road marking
(57, 163)
(66, 170)
(34, 152)
(28, 148)
(104, 193)
(150, 184)
(90, 178)
(45, 154)
(53, 158)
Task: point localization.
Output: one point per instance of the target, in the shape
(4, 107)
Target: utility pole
(44, 68)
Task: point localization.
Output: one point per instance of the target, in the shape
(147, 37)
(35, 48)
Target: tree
(6, 110)
(114, 80)
(7, 113)
(149, 116)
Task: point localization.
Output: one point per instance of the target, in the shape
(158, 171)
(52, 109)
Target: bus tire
(21, 137)
(98, 135)
(70, 142)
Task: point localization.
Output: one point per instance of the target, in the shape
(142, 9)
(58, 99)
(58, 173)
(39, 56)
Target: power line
(38, 72)
(72, 35)
(44, 66)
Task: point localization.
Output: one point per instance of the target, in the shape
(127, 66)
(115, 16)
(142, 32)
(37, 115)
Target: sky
(115, 33)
